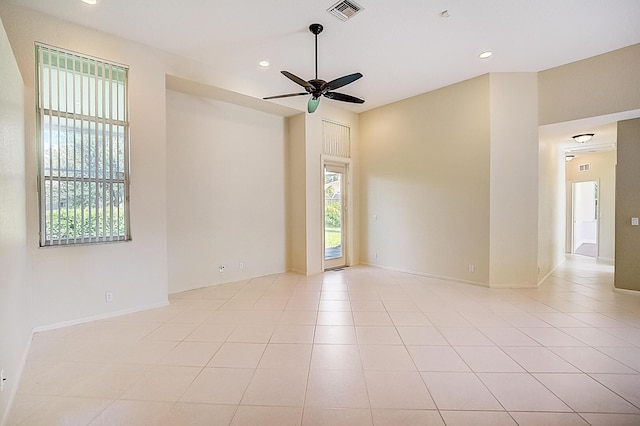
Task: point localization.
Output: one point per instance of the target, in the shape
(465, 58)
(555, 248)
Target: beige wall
(425, 183)
(627, 263)
(603, 168)
(514, 180)
(225, 192)
(551, 207)
(313, 190)
(296, 194)
(601, 85)
(450, 179)
(15, 296)
(69, 283)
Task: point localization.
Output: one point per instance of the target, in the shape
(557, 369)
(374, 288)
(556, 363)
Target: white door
(335, 225)
(585, 218)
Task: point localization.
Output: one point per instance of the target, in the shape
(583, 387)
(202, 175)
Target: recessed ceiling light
(264, 64)
(485, 55)
(90, 1)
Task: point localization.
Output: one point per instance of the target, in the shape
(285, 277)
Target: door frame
(347, 201)
(573, 214)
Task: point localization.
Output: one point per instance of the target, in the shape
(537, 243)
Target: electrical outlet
(221, 268)
(2, 380)
(241, 266)
(108, 297)
(472, 268)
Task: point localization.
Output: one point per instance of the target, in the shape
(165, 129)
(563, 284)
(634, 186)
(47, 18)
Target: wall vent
(584, 167)
(345, 9)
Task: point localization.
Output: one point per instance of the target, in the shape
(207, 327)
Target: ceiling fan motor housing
(318, 87)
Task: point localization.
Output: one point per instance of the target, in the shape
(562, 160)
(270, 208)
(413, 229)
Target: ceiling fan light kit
(316, 87)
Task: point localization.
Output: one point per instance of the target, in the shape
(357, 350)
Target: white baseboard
(424, 274)
(627, 291)
(515, 286)
(551, 271)
(98, 317)
(14, 391)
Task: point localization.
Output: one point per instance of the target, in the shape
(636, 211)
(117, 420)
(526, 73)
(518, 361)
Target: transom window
(83, 162)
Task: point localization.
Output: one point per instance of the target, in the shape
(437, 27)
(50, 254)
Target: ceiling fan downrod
(315, 30)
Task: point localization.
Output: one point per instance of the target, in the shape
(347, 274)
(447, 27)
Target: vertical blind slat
(102, 147)
(125, 151)
(118, 151)
(82, 124)
(95, 144)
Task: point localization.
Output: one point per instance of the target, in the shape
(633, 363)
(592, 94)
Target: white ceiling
(403, 48)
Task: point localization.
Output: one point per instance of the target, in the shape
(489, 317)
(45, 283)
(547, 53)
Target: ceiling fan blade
(342, 81)
(312, 105)
(286, 96)
(298, 80)
(344, 98)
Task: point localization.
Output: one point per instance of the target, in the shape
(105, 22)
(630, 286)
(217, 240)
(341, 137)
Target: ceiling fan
(317, 87)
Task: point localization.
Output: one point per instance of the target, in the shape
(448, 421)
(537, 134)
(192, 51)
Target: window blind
(83, 148)
(336, 138)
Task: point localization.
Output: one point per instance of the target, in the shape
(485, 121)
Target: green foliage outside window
(332, 216)
(74, 223)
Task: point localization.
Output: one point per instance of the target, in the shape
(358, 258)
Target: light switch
(634, 221)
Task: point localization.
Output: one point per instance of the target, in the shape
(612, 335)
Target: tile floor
(363, 346)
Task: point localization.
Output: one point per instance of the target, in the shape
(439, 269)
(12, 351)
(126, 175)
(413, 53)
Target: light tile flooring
(363, 346)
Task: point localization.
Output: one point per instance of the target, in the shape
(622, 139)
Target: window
(83, 150)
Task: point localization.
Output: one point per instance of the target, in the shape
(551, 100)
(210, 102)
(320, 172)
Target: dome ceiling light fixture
(583, 137)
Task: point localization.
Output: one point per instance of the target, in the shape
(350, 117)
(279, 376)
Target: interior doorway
(335, 223)
(585, 218)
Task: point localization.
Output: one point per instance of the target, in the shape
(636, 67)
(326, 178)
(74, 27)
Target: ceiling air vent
(345, 9)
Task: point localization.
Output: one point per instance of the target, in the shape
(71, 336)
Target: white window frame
(83, 148)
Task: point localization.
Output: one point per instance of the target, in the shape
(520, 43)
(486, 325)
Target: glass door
(334, 216)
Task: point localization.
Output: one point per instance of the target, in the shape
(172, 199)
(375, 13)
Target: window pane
(333, 214)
